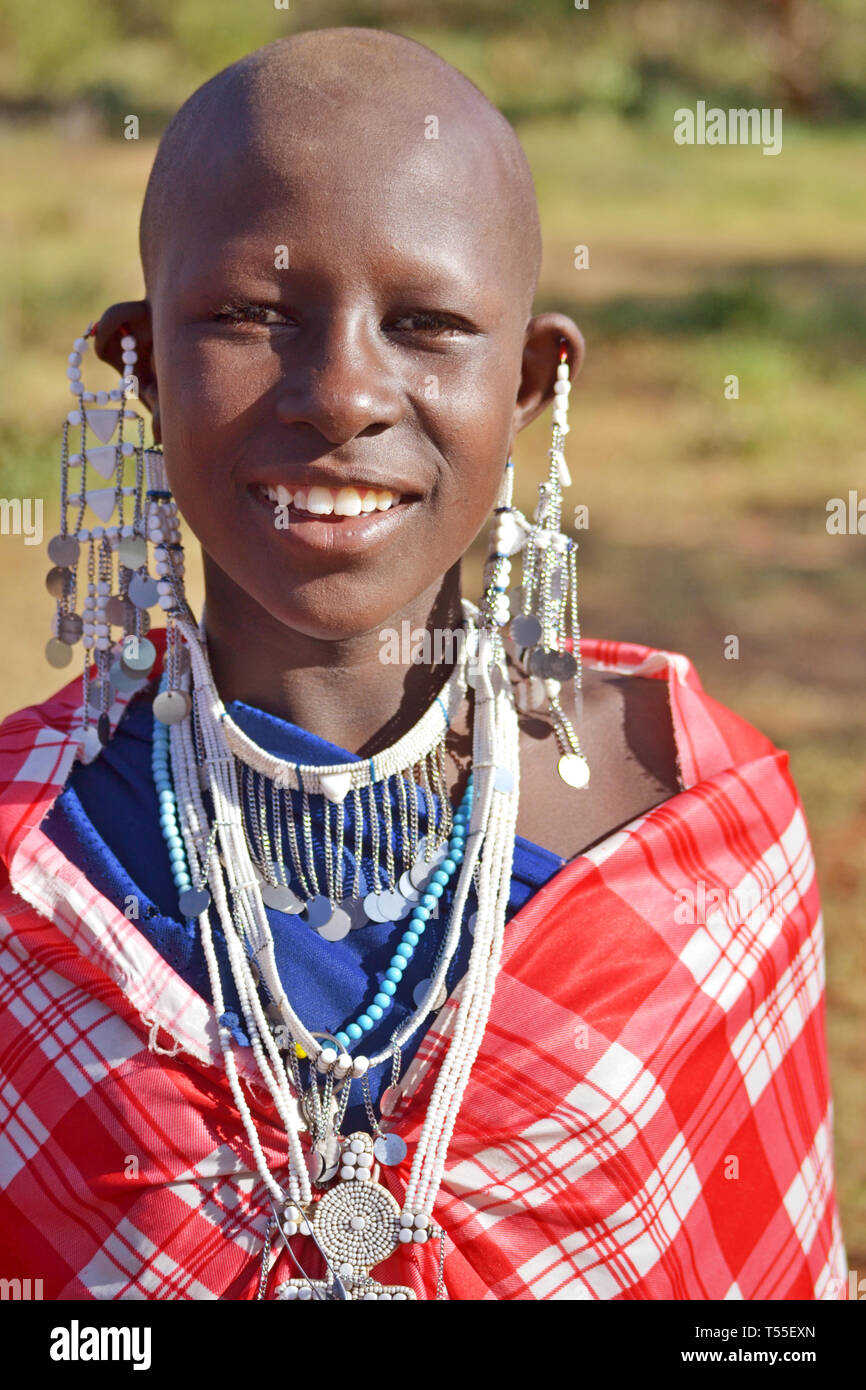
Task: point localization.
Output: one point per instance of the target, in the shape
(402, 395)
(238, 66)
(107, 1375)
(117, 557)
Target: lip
(333, 534)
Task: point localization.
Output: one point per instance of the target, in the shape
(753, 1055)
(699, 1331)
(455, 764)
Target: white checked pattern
(723, 955)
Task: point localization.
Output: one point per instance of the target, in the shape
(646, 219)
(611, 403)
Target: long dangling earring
(543, 608)
(119, 587)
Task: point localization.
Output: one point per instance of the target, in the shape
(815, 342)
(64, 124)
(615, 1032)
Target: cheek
(206, 396)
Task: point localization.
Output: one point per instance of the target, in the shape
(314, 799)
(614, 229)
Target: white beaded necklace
(220, 847)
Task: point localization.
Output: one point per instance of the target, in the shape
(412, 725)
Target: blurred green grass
(707, 515)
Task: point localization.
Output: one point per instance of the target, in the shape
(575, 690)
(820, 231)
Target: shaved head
(293, 99)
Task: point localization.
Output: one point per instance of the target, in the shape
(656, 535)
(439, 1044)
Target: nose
(345, 387)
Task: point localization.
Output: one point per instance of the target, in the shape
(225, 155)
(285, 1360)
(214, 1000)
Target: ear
(131, 317)
(546, 335)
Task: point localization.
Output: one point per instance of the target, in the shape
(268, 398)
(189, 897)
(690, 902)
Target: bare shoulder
(627, 735)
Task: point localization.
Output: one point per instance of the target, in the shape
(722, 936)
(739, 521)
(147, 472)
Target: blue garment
(106, 821)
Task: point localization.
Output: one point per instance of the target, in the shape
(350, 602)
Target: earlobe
(545, 336)
(131, 317)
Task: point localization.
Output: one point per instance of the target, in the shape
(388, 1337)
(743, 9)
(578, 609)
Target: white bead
(347, 1174)
(127, 448)
(363, 1174)
(127, 531)
(116, 394)
(345, 1270)
(88, 396)
(74, 373)
(291, 1293)
(407, 1219)
(74, 417)
(357, 1146)
(551, 688)
(74, 359)
(305, 1292)
(350, 1160)
(384, 1298)
(163, 587)
(422, 1221)
(360, 1065)
(166, 601)
(292, 1214)
(77, 388)
(328, 1056)
(290, 1228)
(364, 1160)
(542, 539)
(80, 344)
(419, 1237)
(561, 387)
(370, 1296)
(129, 357)
(127, 342)
(102, 398)
(102, 644)
(405, 1236)
(562, 371)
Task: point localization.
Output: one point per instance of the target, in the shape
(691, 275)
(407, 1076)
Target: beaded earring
(119, 589)
(542, 610)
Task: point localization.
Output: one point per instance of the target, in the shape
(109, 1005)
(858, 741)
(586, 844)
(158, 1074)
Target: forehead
(390, 189)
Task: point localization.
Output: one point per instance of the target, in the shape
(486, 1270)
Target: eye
(249, 313)
(431, 322)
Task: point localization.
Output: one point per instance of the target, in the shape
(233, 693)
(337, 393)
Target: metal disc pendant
(421, 870)
(194, 902)
(315, 1165)
(69, 628)
(470, 925)
(117, 610)
(57, 653)
(537, 658)
(327, 1174)
(392, 906)
(573, 769)
(371, 907)
(559, 666)
(389, 1100)
(357, 914)
(143, 591)
(137, 655)
(421, 989)
(338, 925)
(281, 898)
(318, 911)
(408, 891)
(171, 706)
(120, 679)
(526, 630)
(132, 552)
(63, 550)
(57, 581)
(103, 729)
(390, 1149)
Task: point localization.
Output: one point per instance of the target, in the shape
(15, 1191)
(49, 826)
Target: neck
(341, 690)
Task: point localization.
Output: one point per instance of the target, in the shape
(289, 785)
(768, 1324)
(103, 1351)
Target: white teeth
(320, 501)
(328, 501)
(347, 502)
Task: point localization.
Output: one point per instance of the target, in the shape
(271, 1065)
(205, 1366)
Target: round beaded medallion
(358, 1224)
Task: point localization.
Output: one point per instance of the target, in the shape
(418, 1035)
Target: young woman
(360, 942)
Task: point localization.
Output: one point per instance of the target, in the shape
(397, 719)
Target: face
(338, 341)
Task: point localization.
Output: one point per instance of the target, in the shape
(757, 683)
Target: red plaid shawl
(648, 1118)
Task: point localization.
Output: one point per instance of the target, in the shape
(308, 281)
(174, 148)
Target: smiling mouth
(328, 503)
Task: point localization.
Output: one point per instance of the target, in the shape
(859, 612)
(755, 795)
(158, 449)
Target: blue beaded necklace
(388, 986)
